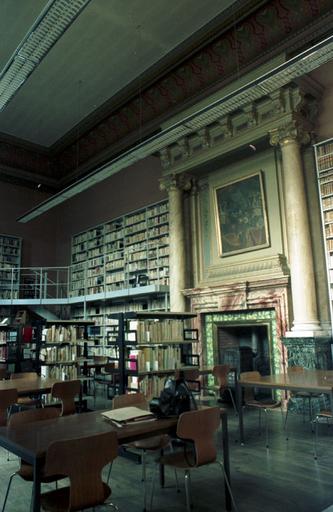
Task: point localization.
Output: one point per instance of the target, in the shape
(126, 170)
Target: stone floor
(283, 478)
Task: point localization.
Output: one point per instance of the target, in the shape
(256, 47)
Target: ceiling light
(50, 25)
(297, 66)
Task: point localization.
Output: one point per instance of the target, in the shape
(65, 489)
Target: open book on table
(127, 414)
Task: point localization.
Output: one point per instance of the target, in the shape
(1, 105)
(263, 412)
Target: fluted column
(175, 185)
(303, 289)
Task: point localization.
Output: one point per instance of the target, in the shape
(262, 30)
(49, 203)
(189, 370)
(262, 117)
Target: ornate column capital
(300, 128)
(181, 181)
(287, 134)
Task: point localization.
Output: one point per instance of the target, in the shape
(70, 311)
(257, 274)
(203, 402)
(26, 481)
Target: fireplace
(245, 347)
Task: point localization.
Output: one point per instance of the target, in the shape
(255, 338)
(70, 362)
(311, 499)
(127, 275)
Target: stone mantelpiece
(269, 295)
(246, 295)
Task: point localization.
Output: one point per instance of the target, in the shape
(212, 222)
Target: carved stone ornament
(301, 127)
(180, 181)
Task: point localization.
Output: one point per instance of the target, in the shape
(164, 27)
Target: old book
(127, 414)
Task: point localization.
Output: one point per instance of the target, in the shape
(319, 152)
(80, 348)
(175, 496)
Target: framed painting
(241, 217)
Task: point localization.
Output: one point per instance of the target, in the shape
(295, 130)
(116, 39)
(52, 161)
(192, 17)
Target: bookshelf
(10, 262)
(151, 346)
(9, 347)
(126, 252)
(63, 352)
(324, 166)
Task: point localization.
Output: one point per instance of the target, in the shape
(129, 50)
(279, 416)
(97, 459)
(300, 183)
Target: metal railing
(34, 283)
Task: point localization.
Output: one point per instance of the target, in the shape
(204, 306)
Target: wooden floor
(283, 478)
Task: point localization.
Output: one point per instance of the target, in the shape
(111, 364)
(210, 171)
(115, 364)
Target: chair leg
(7, 492)
(315, 439)
(144, 479)
(109, 473)
(152, 487)
(266, 427)
(233, 401)
(188, 490)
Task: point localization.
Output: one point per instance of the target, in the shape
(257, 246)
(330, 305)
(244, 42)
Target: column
(175, 185)
(303, 289)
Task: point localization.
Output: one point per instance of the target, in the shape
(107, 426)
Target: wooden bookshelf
(324, 165)
(168, 346)
(64, 349)
(125, 252)
(10, 262)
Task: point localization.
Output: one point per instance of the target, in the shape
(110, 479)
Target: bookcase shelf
(63, 351)
(167, 347)
(10, 262)
(324, 165)
(119, 253)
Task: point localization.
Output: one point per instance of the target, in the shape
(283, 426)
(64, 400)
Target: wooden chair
(265, 404)
(151, 444)
(82, 461)
(325, 415)
(26, 401)
(66, 391)
(3, 373)
(221, 372)
(198, 427)
(8, 397)
(191, 376)
(306, 396)
(27, 417)
(106, 376)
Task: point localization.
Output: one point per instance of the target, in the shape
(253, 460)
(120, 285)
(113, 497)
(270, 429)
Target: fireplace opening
(244, 347)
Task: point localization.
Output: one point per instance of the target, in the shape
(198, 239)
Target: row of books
(153, 359)
(325, 162)
(150, 385)
(62, 334)
(63, 372)
(156, 332)
(65, 353)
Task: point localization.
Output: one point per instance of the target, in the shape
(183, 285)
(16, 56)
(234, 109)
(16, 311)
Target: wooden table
(313, 381)
(31, 443)
(26, 387)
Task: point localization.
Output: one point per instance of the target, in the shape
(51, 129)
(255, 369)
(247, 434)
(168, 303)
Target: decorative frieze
(291, 109)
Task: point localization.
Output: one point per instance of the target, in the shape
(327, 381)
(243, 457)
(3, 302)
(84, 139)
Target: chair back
(66, 391)
(200, 426)
(8, 397)
(109, 368)
(221, 372)
(82, 461)
(32, 415)
(249, 392)
(295, 369)
(24, 375)
(128, 400)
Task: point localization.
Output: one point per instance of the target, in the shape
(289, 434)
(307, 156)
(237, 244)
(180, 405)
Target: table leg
(35, 504)
(240, 412)
(162, 472)
(226, 459)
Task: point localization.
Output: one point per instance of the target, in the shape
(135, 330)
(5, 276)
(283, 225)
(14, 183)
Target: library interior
(166, 255)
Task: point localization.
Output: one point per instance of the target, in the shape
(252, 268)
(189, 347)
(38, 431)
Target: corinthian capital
(291, 132)
(181, 181)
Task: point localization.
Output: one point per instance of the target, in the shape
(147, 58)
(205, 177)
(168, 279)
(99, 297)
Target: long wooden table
(313, 381)
(26, 387)
(31, 443)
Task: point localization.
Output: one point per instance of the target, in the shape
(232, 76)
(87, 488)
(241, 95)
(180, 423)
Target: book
(127, 414)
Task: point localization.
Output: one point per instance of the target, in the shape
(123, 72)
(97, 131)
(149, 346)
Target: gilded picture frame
(241, 217)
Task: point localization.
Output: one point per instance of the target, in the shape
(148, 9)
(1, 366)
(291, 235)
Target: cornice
(260, 34)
